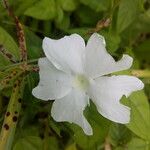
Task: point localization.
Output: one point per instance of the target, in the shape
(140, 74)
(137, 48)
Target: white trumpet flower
(72, 73)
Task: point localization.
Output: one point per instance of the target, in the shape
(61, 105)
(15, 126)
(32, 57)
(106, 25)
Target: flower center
(81, 82)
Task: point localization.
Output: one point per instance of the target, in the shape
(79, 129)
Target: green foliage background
(129, 32)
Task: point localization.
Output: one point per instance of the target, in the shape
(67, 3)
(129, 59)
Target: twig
(20, 32)
(100, 25)
(18, 64)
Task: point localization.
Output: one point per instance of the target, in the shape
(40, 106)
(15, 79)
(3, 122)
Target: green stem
(17, 64)
(141, 73)
(11, 116)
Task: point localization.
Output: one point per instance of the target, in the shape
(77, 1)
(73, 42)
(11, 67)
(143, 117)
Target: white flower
(72, 73)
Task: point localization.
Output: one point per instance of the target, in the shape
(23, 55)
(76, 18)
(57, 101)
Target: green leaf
(55, 127)
(68, 5)
(21, 6)
(34, 45)
(118, 148)
(100, 128)
(9, 44)
(32, 130)
(112, 41)
(64, 24)
(60, 15)
(140, 114)
(97, 5)
(50, 143)
(7, 136)
(138, 144)
(119, 134)
(128, 12)
(138, 27)
(29, 143)
(143, 51)
(36, 143)
(81, 31)
(71, 147)
(43, 9)
(91, 19)
(8, 77)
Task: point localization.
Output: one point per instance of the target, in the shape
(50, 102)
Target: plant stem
(19, 63)
(107, 144)
(141, 73)
(11, 116)
(20, 32)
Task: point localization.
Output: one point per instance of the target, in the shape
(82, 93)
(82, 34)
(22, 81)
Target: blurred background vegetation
(125, 24)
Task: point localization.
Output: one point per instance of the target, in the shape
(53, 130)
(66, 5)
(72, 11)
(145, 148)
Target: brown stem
(103, 23)
(20, 32)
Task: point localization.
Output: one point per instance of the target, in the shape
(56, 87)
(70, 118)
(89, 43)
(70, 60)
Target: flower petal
(53, 82)
(106, 93)
(99, 62)
(66, 53)
(70, 108)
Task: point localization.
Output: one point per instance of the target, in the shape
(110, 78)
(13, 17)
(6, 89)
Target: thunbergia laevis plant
(72, 73)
